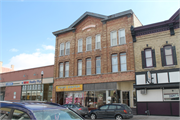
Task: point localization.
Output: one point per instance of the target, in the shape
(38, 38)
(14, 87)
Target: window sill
(79, 52)
(149, 68)
(97, 74)
(169, 66)
(97, 49)
(89, 51)
(118, 45)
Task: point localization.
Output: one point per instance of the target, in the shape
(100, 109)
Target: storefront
(89, 95)
(28, 90)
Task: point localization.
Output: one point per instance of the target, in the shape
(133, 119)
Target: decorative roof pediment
(102, 17)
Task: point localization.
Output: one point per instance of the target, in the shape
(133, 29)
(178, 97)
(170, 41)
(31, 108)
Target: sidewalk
(151, 117)
(144, 117)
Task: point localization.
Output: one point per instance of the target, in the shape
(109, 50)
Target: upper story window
(98, 41)
(88, 66)
(80, 45)
(79, 67)
(148, 57)
(61, 70)
(61, 49)
(122, 37)
(168, 55)
(123, 62)
(98, 65)
(114, 63)
(88, 43)
(113, 38)
(67, 69)
(67, 48)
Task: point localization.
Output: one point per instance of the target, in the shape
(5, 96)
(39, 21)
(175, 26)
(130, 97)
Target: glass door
(125, 97)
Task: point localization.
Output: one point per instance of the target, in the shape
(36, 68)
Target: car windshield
(56, 114)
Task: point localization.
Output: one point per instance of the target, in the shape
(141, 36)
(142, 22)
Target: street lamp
(41, 84)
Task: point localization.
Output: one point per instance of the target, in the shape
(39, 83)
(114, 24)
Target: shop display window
(73, 98)
(28, 96)
(89, 99)
(33, 92)
(100, 98)
(171, 94)
(23, 95)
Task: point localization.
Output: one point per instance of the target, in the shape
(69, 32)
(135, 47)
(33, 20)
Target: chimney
(12, 67)
(1, 66)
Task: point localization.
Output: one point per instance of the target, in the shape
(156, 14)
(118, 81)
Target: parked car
(36, 111)
(118, 111)
(78, 108)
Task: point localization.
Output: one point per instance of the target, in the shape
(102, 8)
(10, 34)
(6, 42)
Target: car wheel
(93, 116)
(118, 117)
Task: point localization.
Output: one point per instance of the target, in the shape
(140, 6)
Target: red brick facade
(104, 29)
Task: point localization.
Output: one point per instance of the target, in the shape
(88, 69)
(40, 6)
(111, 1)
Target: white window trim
(87, 44)
(111, 37)
(66, 48)
(79, 68)
(87, 67)
(60, 70)
(66, 70)
(123, 63)
(82, 45)
(61, 48)
(98, 67)
(114, 64)
(124, 36)
(96, 41)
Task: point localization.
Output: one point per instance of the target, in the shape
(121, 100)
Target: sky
(26, 26)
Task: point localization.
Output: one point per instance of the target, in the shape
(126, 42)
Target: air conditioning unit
(143, 91)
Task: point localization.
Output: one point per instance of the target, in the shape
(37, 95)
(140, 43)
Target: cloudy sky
(26, 26)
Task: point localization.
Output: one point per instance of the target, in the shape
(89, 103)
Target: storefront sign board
(69, 88)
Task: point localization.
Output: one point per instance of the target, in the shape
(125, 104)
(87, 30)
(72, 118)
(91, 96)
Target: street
(143, 117)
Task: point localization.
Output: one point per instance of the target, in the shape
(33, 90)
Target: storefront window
(35, 87)
(100, 98)
(28, 97)
(114, 96)
(29, 92)
(171, 94)
(39, 95)
(23, 95)
(89, 99)
(34, 95)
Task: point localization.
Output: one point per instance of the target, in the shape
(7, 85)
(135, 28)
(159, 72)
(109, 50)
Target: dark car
(78, 108)
(117, 111)
(36, 111)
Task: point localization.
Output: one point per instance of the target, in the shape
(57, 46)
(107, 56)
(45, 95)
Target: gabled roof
(103, 17)
(85, 15)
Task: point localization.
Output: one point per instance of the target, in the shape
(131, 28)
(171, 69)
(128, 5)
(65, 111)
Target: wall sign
(69, 88)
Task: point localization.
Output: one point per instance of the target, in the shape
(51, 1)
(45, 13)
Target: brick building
(26, 84)
(157, 67)
(4, 69)
(94, 60)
